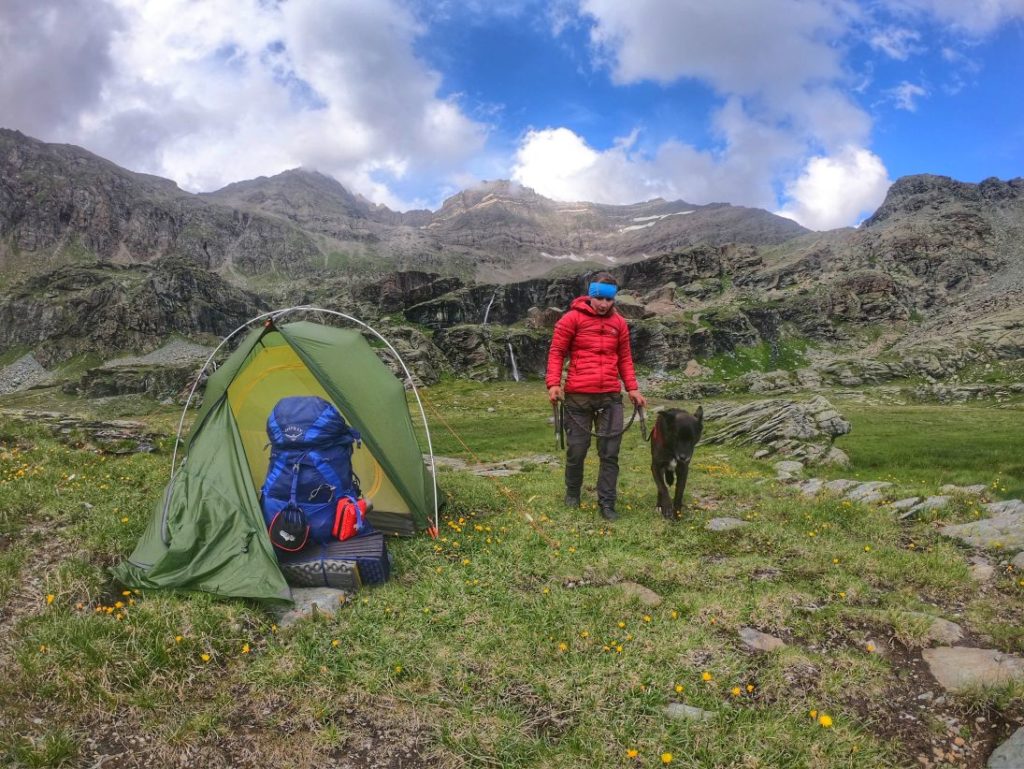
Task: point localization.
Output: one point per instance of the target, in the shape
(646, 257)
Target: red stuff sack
(350, 519)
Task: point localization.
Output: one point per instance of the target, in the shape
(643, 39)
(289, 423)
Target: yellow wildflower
(204, 657)
(680, 688)
(705, 676)
(666, 758)
(825, 721)
(632, 753)
(245, 648)
(49, 598)
(335, 642)
(736, 691)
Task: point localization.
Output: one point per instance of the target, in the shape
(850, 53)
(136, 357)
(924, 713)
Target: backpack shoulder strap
(325, 469)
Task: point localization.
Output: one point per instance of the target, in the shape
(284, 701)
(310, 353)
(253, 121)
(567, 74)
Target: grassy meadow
(515, 639)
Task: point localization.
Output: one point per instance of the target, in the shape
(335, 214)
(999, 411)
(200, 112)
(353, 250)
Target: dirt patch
(932, 728)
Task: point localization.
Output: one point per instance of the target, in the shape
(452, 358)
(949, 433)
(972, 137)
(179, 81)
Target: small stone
(811, 487)
(904, 504)
(1009, 755)
(840, 485)
(958, 668)
(867, 492)
(975, 489)
(930, 503)
(725, 524)
(981, 570)
(688, 712)
(758, 641)
(645, 595)
(944, 632)
(789, 466)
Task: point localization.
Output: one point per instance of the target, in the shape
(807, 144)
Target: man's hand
(555, 394)
(638, 400)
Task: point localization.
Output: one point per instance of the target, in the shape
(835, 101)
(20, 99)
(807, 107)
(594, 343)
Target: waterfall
(512, 357)
(488, 310)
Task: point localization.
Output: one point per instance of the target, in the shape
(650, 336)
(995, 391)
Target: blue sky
(808, 108)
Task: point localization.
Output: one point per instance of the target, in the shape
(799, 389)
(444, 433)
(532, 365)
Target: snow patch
(651, 220)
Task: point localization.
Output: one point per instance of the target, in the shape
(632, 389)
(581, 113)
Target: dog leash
(561, 413)
(559, 420)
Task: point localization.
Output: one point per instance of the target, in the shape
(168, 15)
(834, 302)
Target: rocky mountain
(928, 291)
(60, 203)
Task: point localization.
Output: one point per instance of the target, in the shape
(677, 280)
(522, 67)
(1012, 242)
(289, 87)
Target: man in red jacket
(595, 338)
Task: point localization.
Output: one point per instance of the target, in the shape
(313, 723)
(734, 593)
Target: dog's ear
(699, 414)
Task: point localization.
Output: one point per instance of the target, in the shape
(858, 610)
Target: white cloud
(977, 18)
(837, 190)
(559, 164)
(897, 42)
(212, 92)
(768, 47)
(905, 95)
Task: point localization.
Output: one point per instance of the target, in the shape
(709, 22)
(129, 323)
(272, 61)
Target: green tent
(207, 532)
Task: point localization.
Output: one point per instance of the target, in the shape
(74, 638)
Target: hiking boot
(608, 513)
(572, 500)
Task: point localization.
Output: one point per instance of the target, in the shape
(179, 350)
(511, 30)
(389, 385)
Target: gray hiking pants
(584, 412)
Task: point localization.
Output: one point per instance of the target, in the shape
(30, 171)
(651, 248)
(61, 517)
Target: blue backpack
(310, 464)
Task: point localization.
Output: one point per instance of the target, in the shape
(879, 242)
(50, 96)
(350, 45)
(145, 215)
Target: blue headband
(602, 290)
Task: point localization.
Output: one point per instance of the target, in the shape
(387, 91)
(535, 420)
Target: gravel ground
(24, 373)
(178, 352)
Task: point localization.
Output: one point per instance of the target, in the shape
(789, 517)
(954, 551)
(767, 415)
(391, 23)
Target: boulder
(801, 430)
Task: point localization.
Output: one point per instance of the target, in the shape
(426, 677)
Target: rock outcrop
(803, 430)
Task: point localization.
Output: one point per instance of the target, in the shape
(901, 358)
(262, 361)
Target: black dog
(673, 440)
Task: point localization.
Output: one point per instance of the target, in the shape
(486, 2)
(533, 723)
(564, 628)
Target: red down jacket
(598, 351)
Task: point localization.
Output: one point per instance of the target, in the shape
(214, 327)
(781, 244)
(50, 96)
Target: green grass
(788, 355)
(932, 445)
(508, 641)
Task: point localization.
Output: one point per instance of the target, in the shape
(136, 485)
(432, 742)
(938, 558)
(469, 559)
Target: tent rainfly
(207, 532)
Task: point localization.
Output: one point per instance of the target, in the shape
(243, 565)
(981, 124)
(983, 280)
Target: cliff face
(111, 310)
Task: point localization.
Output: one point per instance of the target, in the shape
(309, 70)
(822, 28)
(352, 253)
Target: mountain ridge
(302, 220)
